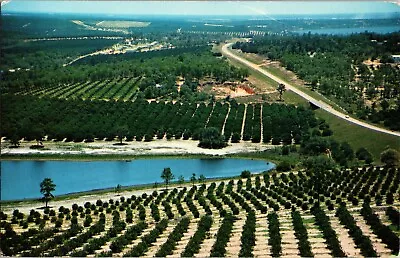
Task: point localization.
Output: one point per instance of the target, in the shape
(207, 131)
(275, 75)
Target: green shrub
(284, 166)
(211, 138)
(245, 174)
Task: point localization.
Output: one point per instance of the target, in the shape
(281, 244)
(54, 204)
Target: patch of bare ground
(318, 245)
(160, 240)
(233, 246)
(374, 63)
(289, 240)
(347, 243)
(181, 244)
(155, 147)
(226, 89)
(261, 248)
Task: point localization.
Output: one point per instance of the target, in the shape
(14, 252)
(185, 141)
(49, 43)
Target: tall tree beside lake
(167, 176)
(46, 187)
(193, 178)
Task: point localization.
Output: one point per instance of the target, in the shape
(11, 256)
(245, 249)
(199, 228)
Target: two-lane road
(323, 105)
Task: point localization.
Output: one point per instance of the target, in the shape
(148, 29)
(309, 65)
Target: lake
(21, 179)
(347, 31)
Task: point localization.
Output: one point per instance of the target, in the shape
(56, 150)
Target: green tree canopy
(202, 178)
(319, 164)
(390, 157)
(211, 138)
(281, 88)
(167, 176)
(363, 154)
(46, 187)
(193, 178)
(181, 179)
(284, 166)
(122, 131)
(14, 140)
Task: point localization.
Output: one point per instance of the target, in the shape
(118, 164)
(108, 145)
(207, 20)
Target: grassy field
(358, 136)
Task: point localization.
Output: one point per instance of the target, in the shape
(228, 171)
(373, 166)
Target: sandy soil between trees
(81, 200)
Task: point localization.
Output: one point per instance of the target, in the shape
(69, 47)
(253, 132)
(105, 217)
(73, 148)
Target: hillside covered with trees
(343, 69)
(158, 73)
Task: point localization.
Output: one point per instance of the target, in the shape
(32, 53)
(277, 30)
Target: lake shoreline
(128, 188)
(62, 154)
(74, 177)
(66, 200)
(102, 157)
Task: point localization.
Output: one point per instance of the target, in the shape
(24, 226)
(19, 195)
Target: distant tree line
(48, 54)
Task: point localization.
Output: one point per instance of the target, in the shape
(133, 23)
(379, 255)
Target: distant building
(396, 58)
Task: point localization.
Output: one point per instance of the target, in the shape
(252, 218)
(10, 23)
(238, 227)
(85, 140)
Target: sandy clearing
(156, 147)
(223, 92)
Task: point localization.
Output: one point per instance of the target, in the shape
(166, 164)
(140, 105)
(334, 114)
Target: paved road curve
(227, 52)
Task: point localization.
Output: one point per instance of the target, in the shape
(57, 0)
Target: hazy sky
(200, 7)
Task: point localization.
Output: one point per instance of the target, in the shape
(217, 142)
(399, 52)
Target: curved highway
(227, 52)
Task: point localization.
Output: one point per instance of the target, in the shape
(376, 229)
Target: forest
(336, 67)
(154, 69)
(49, 54)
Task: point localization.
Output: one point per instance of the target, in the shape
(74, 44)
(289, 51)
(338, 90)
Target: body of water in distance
(347, 31)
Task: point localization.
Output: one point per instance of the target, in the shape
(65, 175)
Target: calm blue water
(346, 31)
(21, 179)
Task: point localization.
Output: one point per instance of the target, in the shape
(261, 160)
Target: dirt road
(227, 52)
